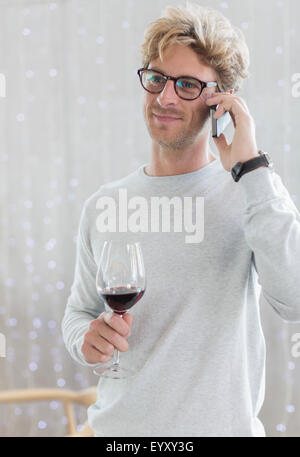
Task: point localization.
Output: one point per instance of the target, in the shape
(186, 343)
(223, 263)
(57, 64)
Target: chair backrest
(84, 397)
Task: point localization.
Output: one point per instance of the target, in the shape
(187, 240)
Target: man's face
(193, 115)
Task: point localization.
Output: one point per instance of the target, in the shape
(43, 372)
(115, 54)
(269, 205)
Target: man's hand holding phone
(244, 145)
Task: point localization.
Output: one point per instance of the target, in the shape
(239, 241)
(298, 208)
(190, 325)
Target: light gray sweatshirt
(196, 341)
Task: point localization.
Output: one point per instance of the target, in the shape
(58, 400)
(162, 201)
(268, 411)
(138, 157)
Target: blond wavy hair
(210, 34)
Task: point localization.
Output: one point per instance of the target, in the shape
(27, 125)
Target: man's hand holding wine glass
(105, 334)
(120, 283)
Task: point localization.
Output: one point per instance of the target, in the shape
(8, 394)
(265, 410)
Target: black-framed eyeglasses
(186, 87)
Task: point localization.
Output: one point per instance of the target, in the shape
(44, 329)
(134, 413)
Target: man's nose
(168, 95)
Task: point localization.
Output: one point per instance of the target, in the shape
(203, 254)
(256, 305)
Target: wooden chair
(84, 397)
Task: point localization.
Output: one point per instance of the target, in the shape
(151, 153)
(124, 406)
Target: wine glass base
(113, 372)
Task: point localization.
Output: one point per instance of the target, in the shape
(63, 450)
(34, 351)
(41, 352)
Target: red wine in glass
(121, 299)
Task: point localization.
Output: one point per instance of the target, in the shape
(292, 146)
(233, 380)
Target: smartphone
(219, 125)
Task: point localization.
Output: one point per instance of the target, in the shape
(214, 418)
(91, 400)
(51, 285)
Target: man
(195, 337)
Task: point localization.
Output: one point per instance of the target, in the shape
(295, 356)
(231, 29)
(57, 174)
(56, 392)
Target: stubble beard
(183, 139)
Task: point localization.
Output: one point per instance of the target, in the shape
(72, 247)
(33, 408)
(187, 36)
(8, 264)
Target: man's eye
(186, 85)
(156, 79)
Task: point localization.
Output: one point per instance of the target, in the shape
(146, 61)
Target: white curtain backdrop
(71, 121)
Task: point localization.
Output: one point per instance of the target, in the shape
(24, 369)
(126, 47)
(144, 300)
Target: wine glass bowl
(121, 299)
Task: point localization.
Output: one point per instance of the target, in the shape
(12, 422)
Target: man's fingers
(120, 324)
(92, 355)
(100, 343)
(110, 332)
(128, 318)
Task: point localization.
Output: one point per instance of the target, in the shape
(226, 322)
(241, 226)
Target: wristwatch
(240, 169)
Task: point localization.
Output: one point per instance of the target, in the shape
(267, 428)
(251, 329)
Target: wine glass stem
(116, 363)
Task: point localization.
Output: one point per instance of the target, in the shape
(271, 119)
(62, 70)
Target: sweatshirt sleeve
(84, 304)
(271, 224)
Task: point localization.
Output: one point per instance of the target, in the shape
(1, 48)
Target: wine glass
(121, 283)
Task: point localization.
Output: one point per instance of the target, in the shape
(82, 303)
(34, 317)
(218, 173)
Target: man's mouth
(166, 118)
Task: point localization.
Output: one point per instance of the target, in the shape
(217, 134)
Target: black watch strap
(240, 169)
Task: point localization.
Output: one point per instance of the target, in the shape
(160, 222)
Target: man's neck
(166, 166)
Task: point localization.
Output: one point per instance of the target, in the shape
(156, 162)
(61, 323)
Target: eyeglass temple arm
(211, 84)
